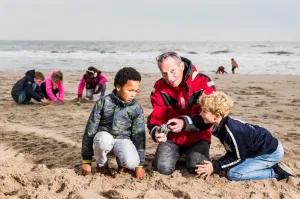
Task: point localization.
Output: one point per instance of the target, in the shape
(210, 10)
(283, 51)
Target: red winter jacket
(169, 102)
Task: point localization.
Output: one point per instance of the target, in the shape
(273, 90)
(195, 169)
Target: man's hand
(175, 125)
(205, 170)
(86, 169)
(160, 137)
(139, 172)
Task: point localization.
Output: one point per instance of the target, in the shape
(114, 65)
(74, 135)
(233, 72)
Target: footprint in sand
(112, 194)
(181, 194)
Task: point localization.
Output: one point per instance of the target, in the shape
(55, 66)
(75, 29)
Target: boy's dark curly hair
(125, 74)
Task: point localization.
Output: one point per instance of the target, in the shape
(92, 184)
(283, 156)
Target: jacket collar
(188, 68)
(187, 73)
(116, 100)
(216, 129)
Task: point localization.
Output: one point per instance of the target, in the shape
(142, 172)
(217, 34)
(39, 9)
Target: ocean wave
(54, 51)
(278, 52)
(192, 52)
(220, 52)
(258, 46)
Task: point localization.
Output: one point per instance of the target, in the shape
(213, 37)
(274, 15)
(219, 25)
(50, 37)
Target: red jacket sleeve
(158, 115)
(81, 86)
(103, 79)
(209, 86)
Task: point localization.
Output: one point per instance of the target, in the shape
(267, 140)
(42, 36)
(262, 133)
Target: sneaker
(103, 170)
(282, 171)
(122, 169)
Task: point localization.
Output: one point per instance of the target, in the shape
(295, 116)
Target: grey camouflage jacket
(121, 120)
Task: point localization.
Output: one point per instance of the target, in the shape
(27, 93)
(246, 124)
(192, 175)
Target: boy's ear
(217, 116)
(118, 87)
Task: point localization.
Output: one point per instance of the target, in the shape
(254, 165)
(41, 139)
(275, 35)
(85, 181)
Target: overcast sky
(187, 20)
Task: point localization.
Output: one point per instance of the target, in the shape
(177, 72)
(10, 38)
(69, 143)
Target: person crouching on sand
(220, 70)
(252, 153)
(53, 85)
(94, 82)
(116, 126)
(28, 87)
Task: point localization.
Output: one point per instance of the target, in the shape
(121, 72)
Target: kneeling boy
(116, 126)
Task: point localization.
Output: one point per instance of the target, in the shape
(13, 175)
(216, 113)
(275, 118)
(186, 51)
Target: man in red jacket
(174, 101)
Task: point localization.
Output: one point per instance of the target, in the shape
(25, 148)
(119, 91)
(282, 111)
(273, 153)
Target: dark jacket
(121, 120)
(241, 141)
(26, 84)
(169, 102)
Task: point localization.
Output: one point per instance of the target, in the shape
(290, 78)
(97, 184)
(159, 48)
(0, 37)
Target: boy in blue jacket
(29, 87)
(252, 152)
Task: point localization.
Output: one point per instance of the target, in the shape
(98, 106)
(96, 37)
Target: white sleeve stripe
(210, 84)
(188, 118)
(236, 149)
(154, 128)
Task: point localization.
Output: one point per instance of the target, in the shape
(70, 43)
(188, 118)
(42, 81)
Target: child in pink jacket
(53, 85)
(94, 82)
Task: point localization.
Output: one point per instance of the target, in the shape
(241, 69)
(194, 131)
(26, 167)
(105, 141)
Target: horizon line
(79, 40)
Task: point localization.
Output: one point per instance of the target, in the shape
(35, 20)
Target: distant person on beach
(28, 87)
(220, 70)
(234, 65)
(174, 100)
(94, 82)
(52, 87)
(252, 153)
(116, 127)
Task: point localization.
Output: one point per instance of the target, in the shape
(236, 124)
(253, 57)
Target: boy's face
(128, 92)
(208, 117)
(37, 81)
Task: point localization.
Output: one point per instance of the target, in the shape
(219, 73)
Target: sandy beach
(41, 145)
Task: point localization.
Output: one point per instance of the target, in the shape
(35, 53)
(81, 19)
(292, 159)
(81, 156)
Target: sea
(252, 57)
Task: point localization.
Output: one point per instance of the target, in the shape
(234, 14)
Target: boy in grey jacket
(116, 126)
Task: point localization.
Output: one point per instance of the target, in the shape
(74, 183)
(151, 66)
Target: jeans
(257, 168)
(23, 97)
(92, 91)
(124, 149)
(168, 153)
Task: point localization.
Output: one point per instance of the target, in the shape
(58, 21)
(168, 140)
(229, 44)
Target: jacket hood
(30, 75)
(188, 68)
(216, 129)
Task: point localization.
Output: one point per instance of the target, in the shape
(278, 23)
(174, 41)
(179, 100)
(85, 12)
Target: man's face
(172, 71)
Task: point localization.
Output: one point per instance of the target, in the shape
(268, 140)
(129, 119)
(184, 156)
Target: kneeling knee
(130, 164)
(164, 169)
(191, 170)
(233, 175)
(103, 141)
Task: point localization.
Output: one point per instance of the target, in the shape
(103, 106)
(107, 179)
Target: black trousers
(168, 153)
(43, 89)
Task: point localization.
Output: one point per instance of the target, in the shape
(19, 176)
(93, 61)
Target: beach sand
(40, 145)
